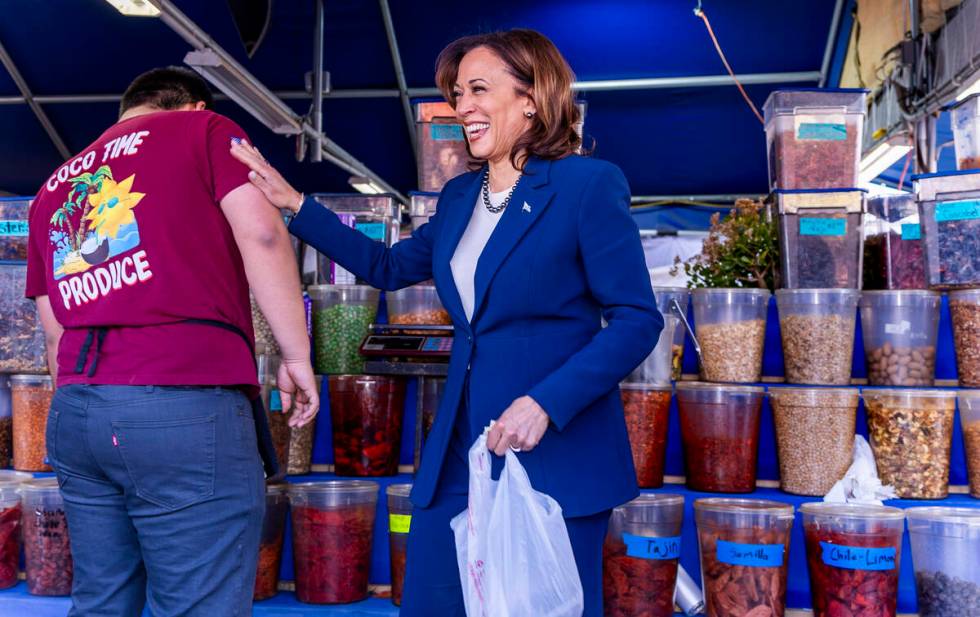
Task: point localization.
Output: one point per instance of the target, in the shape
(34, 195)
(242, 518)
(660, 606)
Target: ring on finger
(515, 448)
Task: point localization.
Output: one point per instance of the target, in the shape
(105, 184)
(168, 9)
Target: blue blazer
(565, 254)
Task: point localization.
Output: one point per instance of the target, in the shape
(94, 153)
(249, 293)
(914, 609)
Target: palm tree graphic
(82, 186)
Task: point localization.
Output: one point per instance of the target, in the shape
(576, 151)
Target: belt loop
(98, 349)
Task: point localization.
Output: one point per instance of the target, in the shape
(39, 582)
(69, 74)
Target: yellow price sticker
(399, 523)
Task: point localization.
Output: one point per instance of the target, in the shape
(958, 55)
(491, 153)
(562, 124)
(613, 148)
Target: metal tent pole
(396, 60)
(25, 92)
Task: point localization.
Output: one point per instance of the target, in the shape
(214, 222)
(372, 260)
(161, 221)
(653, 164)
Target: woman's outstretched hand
(265, 176)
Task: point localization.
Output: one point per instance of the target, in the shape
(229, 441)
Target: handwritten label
(898, 328)
(652, 548)
(957, 210)
(752, 555)
(399, 523)
(858, 557)
(446, 132)
(275, 401)
(823, 227)
(16, 229)
(375, 231)
(911, 231)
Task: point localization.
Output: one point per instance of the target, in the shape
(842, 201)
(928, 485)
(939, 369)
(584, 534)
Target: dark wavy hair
(541, 73)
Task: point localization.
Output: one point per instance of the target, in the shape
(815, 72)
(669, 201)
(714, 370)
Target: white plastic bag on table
(861, 483)
(515, 559)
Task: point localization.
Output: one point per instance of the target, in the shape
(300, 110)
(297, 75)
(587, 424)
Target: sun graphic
(112, 207)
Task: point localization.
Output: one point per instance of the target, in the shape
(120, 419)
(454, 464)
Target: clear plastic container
(965, 120)
(647, 409)
(300, 450)
(30, 402)
(10, 518)
(893, 252)
(949, 214)
(418, 304)
(853, 554)
(342, 316)
(13, 228)
(366, 411)
(731, 327)
(421, 207)
(964, 306)
(969, 401)
(945, 549)
(664, 296)
(821, 243)
(268, 366)
(6, 423)
(911, 432)
(376, 216)
(814, 137)
(640, 555)
(440, 146)
(744, 545)
(657, 368)
(814, 436)
(817, 327)
(720, 432)
(429, 398)
(22, 348)
(399, 522)
(270, 546)
(333, 528)
(47, 547)
(265, 341)
(900, 329)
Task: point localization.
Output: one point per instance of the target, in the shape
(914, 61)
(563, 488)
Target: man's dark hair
(166, 88)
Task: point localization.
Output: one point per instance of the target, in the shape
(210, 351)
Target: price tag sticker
(275, 401)
(446, 132)
(911, 231)
(965, 210)
(822, 227)
(15, 229)
(645, 547)
(823, 127)
(751, 555)
(399, 523)
(375, 231)
(858, 557)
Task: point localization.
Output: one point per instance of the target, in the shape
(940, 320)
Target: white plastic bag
(515, 559)
(861, 483)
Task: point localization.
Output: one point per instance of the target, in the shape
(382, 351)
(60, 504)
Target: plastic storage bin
(421, 208)
(964, 306)
(13, 228)
(911, 432)
(270, 546)
(664, 296)
(820, 238)
(640, 555)
(744, 551)
(949, 214)
(30, 397)
(430, 396)
(720, 432)
(47, 547)
(814, 137)
(893, 253)
(965, 120)
(6, 423)
(814, 436)
(366, 411)
(265, 341)
(853, 553)
(647, 409)
(900, 329)
(22, 348)
(817, 327)
(376, 216)
(969, 401)
(657, 368)
(731, 327)
(342, 316)
(945, 549)
(268, 368)
(415, 305)
(300, 450)
(399, 522)
(10, 517)
(333, 525)
(441, 145)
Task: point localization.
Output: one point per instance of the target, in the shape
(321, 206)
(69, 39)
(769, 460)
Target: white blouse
(470, 247)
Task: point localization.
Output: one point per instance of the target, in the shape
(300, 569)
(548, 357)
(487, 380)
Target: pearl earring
(529, 114)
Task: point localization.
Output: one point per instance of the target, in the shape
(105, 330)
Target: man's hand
(521, 426)
(297, 388)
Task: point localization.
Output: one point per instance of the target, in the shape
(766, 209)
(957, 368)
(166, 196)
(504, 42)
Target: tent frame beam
(396, 60)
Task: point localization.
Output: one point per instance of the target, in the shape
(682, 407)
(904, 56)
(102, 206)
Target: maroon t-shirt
(129, 235)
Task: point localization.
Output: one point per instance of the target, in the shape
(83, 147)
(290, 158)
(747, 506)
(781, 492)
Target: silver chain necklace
(486, 194)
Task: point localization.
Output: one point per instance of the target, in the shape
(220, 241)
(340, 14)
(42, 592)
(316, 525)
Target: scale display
(402, 345)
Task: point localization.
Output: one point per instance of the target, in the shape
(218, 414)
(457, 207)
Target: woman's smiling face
(489, 106)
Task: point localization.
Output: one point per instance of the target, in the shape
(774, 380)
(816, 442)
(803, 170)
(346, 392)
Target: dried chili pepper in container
(964, 306)
(640, 555)
(965, 120)
(664, 297)
(418, 304)
(47, 547)
(853, 554)
(342, 316)
(900, 329)
(30, 397)
(6, 423)
(731, 327)
(22, 347)
(366, 411)
(744, 546)
(647, 409)
(911, 433)
(399, 523)
(10, 520)
(441, 145)
(720, 432)
(949, 215)
(333, 525)
(893, 253)
(431, 389)
(270, 545)
(970, 419)
(945, 549)
(817, 327)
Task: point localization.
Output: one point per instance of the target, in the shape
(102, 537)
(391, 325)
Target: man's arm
(52, 334)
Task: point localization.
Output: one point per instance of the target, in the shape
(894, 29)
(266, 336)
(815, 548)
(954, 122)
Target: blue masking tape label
(13, 228)
(446, 132)
(652, 548)
(375, 231)
(752, 555)
(822, 131)
(957, 210)
(275, 401)
(858, 557)
(911, 231)
(823, 227)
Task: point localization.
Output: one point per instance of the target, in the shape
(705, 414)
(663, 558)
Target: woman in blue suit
(529, 253)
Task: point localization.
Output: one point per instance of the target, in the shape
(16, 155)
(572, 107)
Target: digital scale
(411, 349)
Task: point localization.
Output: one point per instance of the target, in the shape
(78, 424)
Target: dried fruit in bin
(367, 413)
(738, 578)
(634, 586)
(332, 553)
(867, 586)
(47, 552)
(10, 531)
(646, 411)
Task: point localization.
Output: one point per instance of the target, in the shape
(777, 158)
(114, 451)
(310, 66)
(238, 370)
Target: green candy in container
(342, 316)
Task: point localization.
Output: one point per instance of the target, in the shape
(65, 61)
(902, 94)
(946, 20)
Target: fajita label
(752, 555)
(399, 523)
(858, 557)
(645, 547)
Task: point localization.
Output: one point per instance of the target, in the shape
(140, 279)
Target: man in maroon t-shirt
(142, 251)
